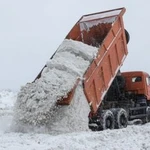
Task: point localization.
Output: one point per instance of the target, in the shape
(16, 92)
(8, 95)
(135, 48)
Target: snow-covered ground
(131, 138)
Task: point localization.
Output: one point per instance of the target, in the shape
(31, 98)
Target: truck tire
(107, 120)
(121, 119)
(148, 114)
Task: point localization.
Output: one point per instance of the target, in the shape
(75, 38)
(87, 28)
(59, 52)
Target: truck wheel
(148, 114)
(121, 119)
(107, 121)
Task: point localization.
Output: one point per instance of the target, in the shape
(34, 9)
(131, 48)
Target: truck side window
(137, 79)
(148, 80)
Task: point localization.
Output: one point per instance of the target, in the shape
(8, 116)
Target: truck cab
(137, 82)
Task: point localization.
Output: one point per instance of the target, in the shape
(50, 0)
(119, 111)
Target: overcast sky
(31, 31)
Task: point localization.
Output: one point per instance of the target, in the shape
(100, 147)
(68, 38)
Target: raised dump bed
(104, 30)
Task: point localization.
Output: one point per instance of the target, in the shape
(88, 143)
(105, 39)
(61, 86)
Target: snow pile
(36, 102)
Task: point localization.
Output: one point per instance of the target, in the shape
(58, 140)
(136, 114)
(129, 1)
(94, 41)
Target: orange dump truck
(114, 97)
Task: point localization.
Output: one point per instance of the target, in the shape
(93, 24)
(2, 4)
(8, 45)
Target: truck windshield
(137, 79)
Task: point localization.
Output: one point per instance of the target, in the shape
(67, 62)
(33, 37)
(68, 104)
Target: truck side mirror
(127, 36)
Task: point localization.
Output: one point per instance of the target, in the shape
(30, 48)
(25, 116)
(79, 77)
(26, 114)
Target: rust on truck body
(137, 82)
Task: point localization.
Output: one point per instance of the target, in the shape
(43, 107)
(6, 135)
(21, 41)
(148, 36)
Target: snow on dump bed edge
(36, 101)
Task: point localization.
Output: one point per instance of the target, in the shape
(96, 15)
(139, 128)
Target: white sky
(31, 31)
